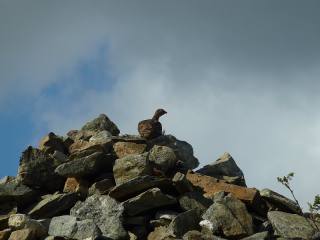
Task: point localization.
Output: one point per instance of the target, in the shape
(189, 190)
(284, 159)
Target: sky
(234, 76)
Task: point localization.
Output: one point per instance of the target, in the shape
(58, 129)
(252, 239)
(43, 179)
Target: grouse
(151, 128)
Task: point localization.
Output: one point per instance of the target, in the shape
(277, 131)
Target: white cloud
(233, 78)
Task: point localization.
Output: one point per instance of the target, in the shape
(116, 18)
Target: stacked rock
(96, 184)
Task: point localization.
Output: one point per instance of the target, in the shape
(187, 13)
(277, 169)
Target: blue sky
(241, 77)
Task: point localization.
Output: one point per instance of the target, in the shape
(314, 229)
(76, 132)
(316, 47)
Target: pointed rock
(101, 123)
(224, 168)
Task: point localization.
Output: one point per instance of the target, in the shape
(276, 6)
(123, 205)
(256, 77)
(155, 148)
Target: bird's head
(159, 112)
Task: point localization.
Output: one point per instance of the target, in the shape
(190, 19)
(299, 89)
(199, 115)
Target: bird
(151, 128)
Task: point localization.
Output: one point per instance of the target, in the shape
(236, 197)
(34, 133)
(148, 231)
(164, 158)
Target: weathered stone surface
(123, 149)
(194, 200)
(105, 212)
(23, 234)
(89, 147)
(185, 222)
(130, 167)
(137, 185)
(51, 143)
(86, 166)
(280, 202)
(163, 158)
(196, 235)
(223, 166)
(150, 199)
(101, 187)
(230, 215)
(15, 191)
(75, 185)
(21, 221)
(161, 233)
(210, 186)
(181, 183)
(289, 225)
(5, 234)
(182, 150)
(76, 135)
(68, 226)
(258, 236)
(36, 169)
(101, 137)
(101, 123)
(53, 205)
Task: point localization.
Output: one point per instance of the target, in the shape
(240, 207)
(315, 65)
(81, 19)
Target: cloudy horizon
(235, 76)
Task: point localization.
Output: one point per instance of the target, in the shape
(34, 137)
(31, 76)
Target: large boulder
(36, 169)
(229, 215)
(279, 202)
(131, 166)
(150, 199)
(101, 123)
(163, 158)
(69, 227)
(224, 168)
(86, 166)
(53, 205)
(291, 226)
(182, 150)
(105, 212)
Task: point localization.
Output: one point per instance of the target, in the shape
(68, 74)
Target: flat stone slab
(137, 185)
(150, 199)
(53, 205)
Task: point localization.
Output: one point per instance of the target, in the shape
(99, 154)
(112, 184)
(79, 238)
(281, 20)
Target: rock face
(130, 167)
(94, 184)
(105, 212)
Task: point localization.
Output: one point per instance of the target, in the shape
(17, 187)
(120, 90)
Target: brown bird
(151, 128)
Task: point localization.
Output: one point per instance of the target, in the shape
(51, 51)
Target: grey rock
(258, 236)
(53, 205)
(68, 226)
(101, 187)
(137, 185)
(224, 168)
(59, 156)
(289, 225)
(36, 169)
(196, 235)
(163, 158)
(185, 222)
(182, 150)
(105, 212)
(21, 221)
(101, 137)
(194, 200)
(101, 123)
(181, 183)
(150, 199)
(280, 202)
(86, 166)
(130, 167)
(230, 215)
(14, 191)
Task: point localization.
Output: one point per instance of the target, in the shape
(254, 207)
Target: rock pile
(95, 184)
